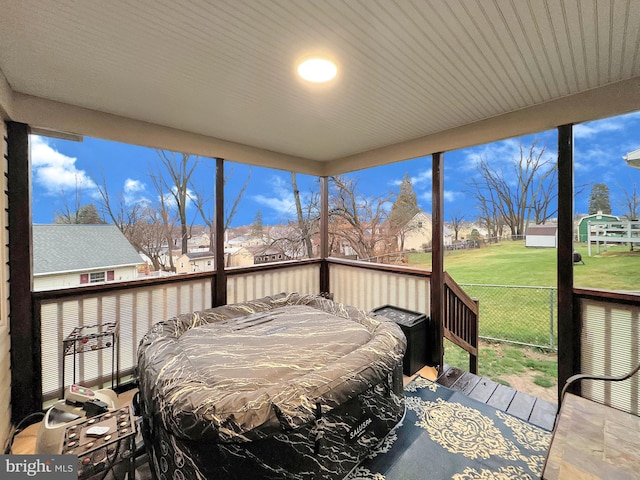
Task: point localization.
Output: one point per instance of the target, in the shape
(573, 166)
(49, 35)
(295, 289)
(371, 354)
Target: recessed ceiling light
(317, 70)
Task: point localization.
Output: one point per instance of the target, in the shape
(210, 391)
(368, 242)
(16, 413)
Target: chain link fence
(517, 314)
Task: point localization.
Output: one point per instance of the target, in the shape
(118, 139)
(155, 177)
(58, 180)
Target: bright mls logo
(51, 467)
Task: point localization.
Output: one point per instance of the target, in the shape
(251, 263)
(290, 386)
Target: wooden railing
(369, 285)
(461, 320)
(134, 306)
(137, 305)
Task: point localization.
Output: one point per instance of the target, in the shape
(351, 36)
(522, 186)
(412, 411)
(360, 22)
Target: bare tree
(76, 213)
(358, 220)
(528, 188)
(456, 222)
(140, 222)
(489, 216)
(303, 223)
(205, 204)
(631, 203)
(180, 168)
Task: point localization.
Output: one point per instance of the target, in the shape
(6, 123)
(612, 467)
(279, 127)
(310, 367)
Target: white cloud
(133, 186)
(133, 192)
(591, 129)
(282, 201)
(505, 154)
(57, 172)
(422, 177)
(170, 199)
(452, 196)
(449, 196)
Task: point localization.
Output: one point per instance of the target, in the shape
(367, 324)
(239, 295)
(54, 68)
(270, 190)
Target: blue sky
(60, 166)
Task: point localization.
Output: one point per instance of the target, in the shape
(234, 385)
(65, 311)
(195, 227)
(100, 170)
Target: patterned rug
(447, 435)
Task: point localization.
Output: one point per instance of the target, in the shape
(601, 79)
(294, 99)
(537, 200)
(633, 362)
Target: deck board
(502, 397)
(522, 405)
(483, 390)
(450, 376)
(535, 410)
(467, 382)
(544, 414)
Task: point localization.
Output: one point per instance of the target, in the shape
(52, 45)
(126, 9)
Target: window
(96, 277)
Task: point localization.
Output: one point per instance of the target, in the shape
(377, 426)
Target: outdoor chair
(593, 440)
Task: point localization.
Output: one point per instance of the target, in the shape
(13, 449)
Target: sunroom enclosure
(598, 331)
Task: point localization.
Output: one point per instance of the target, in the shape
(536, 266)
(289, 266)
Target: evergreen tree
(402, 211)
(599, 199)
(256, 226)
(86, 215)
(405, 207)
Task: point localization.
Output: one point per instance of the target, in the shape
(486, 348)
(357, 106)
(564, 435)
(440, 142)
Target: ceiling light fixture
(317, 70)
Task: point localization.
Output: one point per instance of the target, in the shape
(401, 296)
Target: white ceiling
(409, 70)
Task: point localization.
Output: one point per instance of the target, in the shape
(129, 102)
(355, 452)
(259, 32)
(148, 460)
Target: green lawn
(523, 315)
(511, 263)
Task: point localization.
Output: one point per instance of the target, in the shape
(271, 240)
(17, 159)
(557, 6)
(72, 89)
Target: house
(238, 257)
(66, 256)
(191, 262)
(633, 158)
(244, 241)
(415, 81)
(545, 236)
(417, 233)
(583, 224)
(266, 254)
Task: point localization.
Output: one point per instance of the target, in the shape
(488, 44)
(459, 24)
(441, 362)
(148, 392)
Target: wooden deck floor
(519, 404)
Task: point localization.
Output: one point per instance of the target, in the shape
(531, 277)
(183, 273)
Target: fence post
(551, 342)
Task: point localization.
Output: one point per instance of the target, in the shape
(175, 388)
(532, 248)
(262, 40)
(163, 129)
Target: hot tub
(285, 387)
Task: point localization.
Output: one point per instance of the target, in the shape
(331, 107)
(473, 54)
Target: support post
(569, 327)
(437, 263)
(220, 286)
(26, 362)
(325, 288)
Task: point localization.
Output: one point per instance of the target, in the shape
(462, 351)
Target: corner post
(26, 362)
(220, 282)
(325, 288)
(569, 327)
(437, 263)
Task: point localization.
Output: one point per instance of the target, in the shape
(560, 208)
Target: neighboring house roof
(264, 250)
(198, 255)
(542, 230)
(243, 239)
(67, 248)
(633, 158)
(599, 216)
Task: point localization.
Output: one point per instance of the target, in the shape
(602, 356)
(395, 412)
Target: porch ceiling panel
(408, 70)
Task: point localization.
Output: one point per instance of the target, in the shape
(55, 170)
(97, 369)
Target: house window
(84, 278)
(419, 224)
(208, 263)
(110, 276)
(96, 277)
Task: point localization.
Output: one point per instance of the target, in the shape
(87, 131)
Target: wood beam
(220, 282)
(436, 352)
(569, 328)
(26, 362)
(325, 287)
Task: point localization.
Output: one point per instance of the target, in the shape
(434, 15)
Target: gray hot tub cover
(242, 372)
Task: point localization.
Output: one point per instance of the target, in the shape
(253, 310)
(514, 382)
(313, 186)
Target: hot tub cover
(221, 385)
(240, 372)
